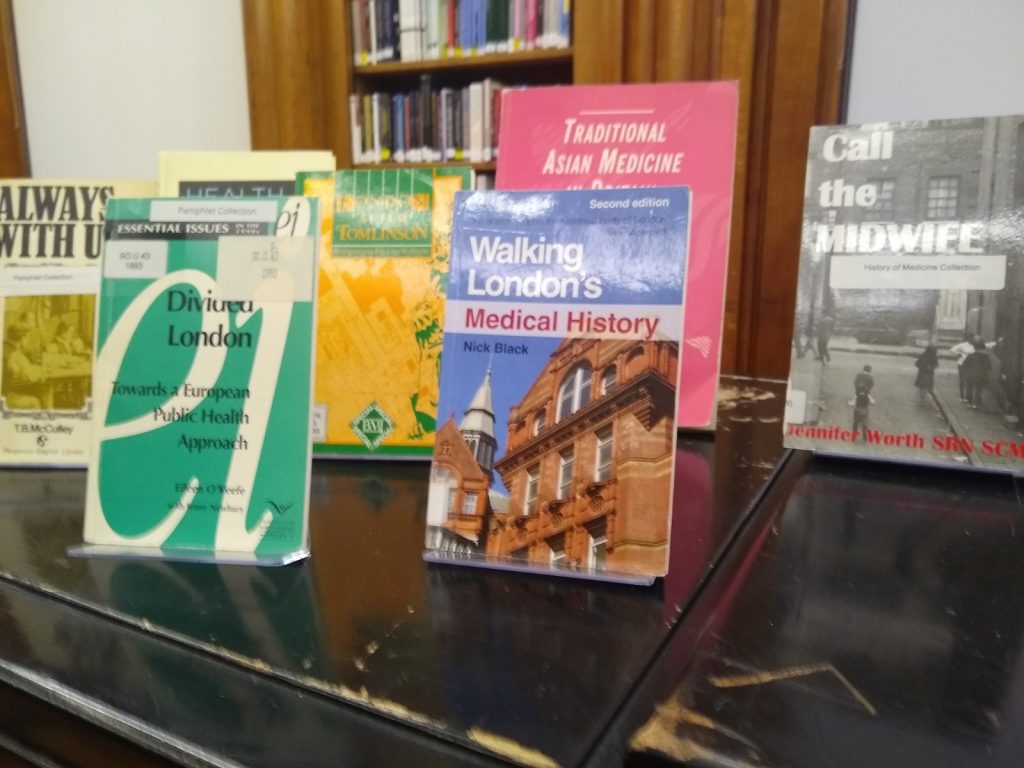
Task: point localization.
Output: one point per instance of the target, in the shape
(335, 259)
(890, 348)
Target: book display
(559, 371)
(203, 379)
(608, 136)
(237, 174)
(908, 343)
(51, 238)
(221, 541)
(512, 264)
(383, 273)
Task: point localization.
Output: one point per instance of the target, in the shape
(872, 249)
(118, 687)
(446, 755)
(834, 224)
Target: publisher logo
(372, 426)
(280, 508)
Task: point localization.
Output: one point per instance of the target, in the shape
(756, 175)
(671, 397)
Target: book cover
(51, 239)
(559, 372)
(383, 276)
(260, 173)
(203, 381)
(908, 340)
(605, 136)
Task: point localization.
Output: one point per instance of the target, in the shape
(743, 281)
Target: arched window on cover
(608, 379)
(575, 391)
(538, 422)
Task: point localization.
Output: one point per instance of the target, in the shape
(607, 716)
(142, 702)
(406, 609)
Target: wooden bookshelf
(488, 167)
(489, 62)
(13, 138)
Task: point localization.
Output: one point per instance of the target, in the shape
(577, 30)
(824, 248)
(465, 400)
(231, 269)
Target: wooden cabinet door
(13, 144)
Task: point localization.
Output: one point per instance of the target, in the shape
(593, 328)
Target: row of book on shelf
(415, 30)
(540, 346)
(428, 124)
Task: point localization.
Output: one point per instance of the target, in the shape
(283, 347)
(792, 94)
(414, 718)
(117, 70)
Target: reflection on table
(364, 650)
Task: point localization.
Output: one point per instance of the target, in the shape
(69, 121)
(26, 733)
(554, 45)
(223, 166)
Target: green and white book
(203, 380)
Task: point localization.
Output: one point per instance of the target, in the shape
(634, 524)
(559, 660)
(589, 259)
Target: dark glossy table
(363, 655)
(870, 614)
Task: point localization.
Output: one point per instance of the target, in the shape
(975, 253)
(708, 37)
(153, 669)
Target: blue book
(559, 372)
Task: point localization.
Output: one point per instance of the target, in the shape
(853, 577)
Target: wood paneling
(297, 54)
(799, 57)
(598, 35)
(736, 56)
(336, 39)
(673, 40)
(14, 160)
(640, 31)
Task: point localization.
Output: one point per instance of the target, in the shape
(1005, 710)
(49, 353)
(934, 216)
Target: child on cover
(926, 364)
(862, 400)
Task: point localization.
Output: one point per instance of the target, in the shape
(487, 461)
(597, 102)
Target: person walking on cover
(926, 364)
(862, 402)
(995, 376)
(976, 369)
(826, 325)
(864, 380)
(962, 350)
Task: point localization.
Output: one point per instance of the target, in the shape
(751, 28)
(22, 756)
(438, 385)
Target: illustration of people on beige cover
(47, 363)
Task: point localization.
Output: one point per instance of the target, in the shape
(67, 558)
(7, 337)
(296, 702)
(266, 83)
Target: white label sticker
(796, 406)
(213, 209)
(135, 259)
(972, 272)
(319, 422)
(48, 281)
(266, 268)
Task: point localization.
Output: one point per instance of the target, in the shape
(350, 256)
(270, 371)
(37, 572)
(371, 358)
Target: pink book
(666, 134)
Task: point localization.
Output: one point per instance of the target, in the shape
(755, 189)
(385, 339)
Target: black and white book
(908, 339)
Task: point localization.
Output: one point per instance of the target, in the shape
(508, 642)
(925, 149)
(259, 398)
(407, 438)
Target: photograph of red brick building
(587, 466)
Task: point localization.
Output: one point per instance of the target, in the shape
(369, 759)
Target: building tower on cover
(461, 499)
(477, 427)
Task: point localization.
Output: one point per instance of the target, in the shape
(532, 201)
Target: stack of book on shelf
(414, 30)
(428, 124)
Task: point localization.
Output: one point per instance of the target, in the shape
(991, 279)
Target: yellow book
(383, 278)
(238, 174)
